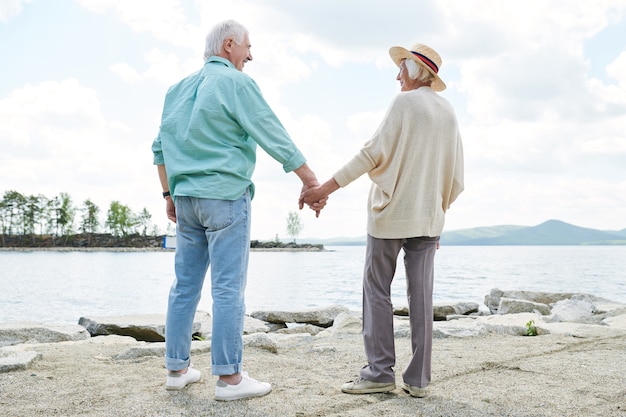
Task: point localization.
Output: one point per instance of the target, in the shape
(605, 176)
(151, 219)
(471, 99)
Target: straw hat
(423, 55)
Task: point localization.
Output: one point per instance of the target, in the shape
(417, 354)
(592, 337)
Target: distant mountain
(619, 232)
(552, 232)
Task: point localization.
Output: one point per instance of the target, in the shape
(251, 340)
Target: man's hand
(170, 209)
(309, 180)
(317, 197)
(318, 205)
(312, 197)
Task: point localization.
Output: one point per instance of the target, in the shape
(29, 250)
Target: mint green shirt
(211, 124)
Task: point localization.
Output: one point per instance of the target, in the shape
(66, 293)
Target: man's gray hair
(417, 72)
(220, 32)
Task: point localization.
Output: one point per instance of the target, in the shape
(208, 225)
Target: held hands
(312, 196)
(316, 197)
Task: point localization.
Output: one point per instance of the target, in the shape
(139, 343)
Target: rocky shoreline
(484, 362)
(155, 244)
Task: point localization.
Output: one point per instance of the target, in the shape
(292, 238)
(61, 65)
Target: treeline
(38, 215)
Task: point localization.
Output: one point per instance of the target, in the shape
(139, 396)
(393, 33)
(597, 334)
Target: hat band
(427, 61)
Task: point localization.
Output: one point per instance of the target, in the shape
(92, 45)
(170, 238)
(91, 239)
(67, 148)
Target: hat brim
(398, 53)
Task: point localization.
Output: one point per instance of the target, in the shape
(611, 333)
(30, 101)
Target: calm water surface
(61, 287)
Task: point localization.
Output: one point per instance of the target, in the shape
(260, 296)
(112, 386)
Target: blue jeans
(216, 233)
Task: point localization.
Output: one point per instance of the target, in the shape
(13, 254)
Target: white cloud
(10, 8)
(41, 114)
(612, 146)
(126, 72)
(365, 124)
(166, 67)
(58, 140)
(166, 20)
(617, 70)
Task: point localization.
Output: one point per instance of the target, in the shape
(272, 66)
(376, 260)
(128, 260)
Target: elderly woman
(415, 162)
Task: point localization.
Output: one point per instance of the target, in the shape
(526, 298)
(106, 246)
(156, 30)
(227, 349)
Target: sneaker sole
(241, 397)
(177, 388)
(414, 395)
(369, 390)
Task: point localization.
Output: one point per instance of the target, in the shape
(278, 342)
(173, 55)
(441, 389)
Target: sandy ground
(547, 375)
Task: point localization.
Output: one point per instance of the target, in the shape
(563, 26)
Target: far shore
(147, 249)
(78, 249)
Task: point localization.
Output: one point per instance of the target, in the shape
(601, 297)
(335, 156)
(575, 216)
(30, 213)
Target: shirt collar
(219, 59)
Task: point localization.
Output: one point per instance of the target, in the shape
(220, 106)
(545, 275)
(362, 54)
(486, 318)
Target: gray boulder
(441, 311)
(579, 308)
(261, 341)
(514, 306)
(145, 327)
(492, 300)
(26, 332)
(16, 360)
(319, 317)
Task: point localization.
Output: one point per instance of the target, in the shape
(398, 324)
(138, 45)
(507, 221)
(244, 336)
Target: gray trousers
(378, 336)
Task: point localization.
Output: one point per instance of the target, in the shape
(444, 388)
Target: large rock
(618, 322)
(146, 327)
(579, 308)
(465, 327)
(18, 333)
(344, 323)
(16, 360)
(514, 306)
(261, 341)
(319, 317)
(441, 311)
(305, 328)
(250, 325)
(492, 300)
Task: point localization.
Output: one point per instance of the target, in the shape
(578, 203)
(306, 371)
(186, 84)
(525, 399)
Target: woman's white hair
(417, 72)
(220, 32)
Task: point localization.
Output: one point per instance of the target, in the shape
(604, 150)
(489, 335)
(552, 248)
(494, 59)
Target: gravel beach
(493, 375)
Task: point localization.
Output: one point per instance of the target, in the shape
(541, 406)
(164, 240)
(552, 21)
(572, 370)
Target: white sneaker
(248, 387)
(414, 391)
(176, 380)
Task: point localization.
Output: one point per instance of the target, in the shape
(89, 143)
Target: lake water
(61, 287)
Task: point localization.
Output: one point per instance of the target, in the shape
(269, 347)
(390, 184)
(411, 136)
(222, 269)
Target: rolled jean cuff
(226, 369)
(176, 364)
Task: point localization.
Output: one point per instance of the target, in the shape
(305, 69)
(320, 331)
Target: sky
(539, 88)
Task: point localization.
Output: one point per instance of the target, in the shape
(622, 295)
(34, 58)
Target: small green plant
(197, 336)
(531, 329)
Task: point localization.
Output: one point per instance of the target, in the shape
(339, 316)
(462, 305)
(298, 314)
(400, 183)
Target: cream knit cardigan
(415, 162)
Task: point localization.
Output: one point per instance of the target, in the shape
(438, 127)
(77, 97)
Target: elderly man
(205, 153)
(415, 162)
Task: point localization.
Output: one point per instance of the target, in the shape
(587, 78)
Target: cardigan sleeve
(458, 181)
